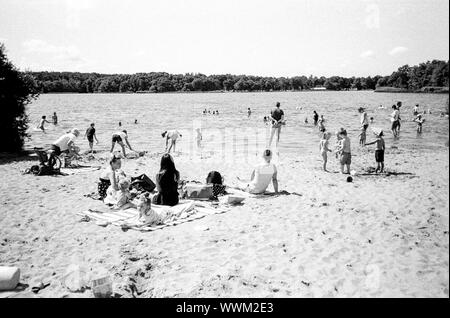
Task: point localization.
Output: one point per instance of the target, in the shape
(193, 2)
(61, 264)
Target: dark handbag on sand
(143, 182)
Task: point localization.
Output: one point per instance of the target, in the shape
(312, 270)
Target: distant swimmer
(249, 112)
(55, 119)
(41, 125)
(381, 107)
(135, 121)
(306, 120)
(172, 136)
(371, 120)
(277, 118)
(217, 112)
(120, 137)
(120, 124)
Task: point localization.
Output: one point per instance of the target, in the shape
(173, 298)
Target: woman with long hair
(167, 182)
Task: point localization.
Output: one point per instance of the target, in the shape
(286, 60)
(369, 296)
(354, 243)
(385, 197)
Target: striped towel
(187, 210)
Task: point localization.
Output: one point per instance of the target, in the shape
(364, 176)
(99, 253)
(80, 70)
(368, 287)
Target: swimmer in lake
(41, 125)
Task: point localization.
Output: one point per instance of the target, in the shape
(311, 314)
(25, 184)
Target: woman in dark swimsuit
(167, 182)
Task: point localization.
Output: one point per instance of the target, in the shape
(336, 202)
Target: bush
(17, 90)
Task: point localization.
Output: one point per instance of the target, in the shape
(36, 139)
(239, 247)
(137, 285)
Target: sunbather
(262, 175)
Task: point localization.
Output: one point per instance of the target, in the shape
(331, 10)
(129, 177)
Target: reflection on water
(232, 131)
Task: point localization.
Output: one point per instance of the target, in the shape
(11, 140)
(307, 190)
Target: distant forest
(411, 78)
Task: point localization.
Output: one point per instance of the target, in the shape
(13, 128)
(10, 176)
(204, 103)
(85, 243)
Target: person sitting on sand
(324, 148)
(149, 216)
(379, 152)
(172, 136)
(344, 149)
(109, 177)
(167, 182)
(90, 135)
(123, 196)
(119, 137)
(65, 143)
(216, 179)
(277, 118)
(262, 175)
(419, 120)
(55, 119)
(42, 122)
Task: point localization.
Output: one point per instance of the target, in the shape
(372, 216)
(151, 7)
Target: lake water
(232, 130)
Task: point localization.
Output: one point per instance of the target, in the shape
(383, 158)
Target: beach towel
(187, 211)
(78, 170)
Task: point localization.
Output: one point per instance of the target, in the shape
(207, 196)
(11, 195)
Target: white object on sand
(9, 277)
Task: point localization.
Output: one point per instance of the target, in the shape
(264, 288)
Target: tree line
(413, 78)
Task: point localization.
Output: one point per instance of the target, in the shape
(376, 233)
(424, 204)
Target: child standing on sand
(345, 151)
(379, 152)
(324, 149)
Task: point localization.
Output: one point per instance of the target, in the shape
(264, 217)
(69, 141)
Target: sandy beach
(380, 236)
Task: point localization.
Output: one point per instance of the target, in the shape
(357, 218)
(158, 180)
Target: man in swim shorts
(277, 118)
(172, 136)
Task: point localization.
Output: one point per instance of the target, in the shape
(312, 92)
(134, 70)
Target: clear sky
(253, 37)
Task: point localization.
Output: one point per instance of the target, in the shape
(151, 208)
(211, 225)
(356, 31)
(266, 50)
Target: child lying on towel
(148, 215)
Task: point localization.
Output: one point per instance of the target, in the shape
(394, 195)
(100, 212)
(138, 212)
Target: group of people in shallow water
(114, 185)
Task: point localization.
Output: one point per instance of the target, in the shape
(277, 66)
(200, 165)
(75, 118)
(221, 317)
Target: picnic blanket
(187, 210)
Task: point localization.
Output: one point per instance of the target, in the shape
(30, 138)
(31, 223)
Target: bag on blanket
(143, 183)
(195, 191)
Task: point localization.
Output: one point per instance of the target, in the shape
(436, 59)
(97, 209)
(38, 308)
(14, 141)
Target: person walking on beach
(315, 118)
(379, 152)
(172, 136)
(324, 149)
(120, 137)
(55, 119)
(42, 122)
(90, 135)
(344, 149)
(395, 119)
(277, 118)
(167, 182)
